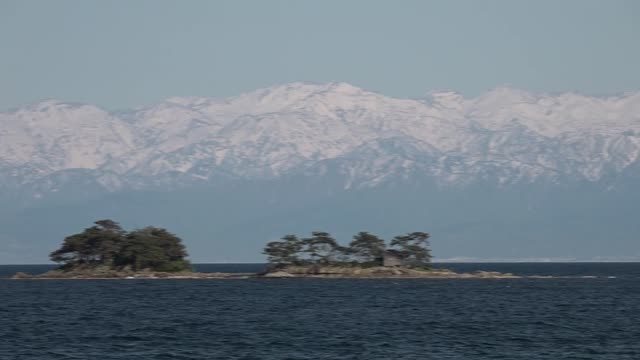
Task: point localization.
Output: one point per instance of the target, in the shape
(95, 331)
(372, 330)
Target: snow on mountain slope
(553, 115)
(50, 136)
(505, 135)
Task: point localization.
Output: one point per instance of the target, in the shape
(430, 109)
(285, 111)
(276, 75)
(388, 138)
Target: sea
(584, 311)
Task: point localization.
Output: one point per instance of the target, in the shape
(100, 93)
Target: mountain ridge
(272, 132)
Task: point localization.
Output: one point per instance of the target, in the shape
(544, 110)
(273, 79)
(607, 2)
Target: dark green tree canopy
(286, 251)
(98, 243)
(413, 247)
(365, 249)
(321, 247)
(106, 244)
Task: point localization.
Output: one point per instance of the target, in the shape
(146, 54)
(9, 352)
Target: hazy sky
(121, 54)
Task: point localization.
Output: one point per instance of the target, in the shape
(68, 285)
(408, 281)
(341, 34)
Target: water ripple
(320, 319)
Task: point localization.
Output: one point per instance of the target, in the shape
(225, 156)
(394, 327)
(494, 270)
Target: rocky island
(366, 256)
(106, 251)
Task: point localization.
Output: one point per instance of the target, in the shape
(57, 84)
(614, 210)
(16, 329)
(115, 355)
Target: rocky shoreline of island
(333, 272)
(90, 275)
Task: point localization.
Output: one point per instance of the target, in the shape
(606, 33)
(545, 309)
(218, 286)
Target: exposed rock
(86, 274)
(21, 275)
(286, 272)
(278, 274)
(382, 272)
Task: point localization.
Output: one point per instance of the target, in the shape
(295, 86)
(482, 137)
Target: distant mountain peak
(288, 129)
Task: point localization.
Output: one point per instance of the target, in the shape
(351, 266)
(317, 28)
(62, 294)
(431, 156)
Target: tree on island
(152, 248)
(107, 245)
(322, 248)
(97, 244)
(413, 248)
(365, 249)
(286, 251)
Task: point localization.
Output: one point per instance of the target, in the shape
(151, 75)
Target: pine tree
(367, 248)
(322, 248)
(286, 251)
(106, 244)
(414, 248)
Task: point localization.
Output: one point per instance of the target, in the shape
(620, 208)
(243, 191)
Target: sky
(124, 54)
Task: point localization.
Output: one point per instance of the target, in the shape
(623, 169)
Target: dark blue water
(562, 318)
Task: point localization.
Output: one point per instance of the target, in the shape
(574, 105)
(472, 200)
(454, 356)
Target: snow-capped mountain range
(506, 174)
(504, 136)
